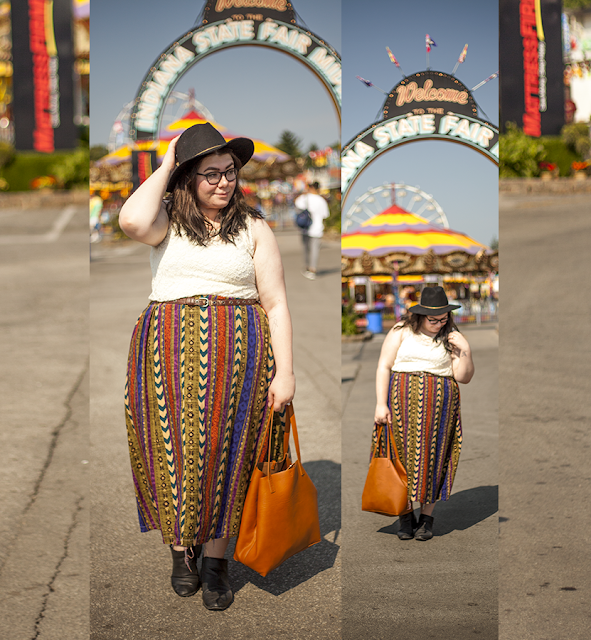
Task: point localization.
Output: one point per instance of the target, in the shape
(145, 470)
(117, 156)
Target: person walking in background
(313, 202)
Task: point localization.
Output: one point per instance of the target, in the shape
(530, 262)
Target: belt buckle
(202, 302)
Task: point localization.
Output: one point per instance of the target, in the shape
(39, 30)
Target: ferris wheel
(176, 106)
(376, 199)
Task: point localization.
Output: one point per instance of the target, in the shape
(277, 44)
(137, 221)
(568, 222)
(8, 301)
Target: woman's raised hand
(143, 216)
(169, 161)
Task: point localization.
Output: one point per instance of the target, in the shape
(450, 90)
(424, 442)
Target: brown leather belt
(423, 373)
(207, 302)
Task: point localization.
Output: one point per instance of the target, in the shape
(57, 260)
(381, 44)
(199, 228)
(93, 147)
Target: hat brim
(430, 311)
(243, 149)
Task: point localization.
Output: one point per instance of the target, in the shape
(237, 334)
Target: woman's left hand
(281, 391)
(458, 341)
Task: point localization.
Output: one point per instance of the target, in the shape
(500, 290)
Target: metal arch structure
(367, 205)
(119, 134)
(428, 105)
(227, 24)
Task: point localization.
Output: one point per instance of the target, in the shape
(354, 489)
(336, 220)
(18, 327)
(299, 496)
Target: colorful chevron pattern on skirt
(196, 405)
(427, 432)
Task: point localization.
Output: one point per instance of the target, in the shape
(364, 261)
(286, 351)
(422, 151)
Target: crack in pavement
(50, 589)
(348, 383)
(52, 446)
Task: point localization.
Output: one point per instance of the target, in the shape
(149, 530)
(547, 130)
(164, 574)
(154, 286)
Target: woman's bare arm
(143, 217)
(271, 288)
(384, 372)
(461, 358)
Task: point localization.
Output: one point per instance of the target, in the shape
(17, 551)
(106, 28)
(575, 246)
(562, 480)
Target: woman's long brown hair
(184, 213)
(413, 320)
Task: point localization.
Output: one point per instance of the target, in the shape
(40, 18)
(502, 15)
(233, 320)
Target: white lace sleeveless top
(181, 269)
(419, 352)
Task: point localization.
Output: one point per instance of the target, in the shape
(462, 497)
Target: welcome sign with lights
(232, 23)
(429, 105)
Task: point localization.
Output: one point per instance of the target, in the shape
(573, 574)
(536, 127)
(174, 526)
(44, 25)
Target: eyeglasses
(215, 176)
(435, 321)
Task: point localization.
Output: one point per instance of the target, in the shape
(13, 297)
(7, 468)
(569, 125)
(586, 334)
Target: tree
(97, 151)
(309, 162)
(290, 143)
(576, 4)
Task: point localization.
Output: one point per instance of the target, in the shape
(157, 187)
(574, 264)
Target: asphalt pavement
(44, 513)
(545, 435)
(131, 596)
(445, 587)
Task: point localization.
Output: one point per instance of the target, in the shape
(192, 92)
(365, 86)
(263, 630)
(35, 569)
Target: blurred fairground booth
(271, 181)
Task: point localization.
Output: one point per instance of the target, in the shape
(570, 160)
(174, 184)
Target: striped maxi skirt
(196, 405)
(427, 430)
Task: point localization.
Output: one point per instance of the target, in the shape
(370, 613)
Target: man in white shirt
(311, 237)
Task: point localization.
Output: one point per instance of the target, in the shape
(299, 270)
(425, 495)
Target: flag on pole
(392, 58)
(367, 83)
(429, 42)
(460, 59)
(463, 54)
(491, 77)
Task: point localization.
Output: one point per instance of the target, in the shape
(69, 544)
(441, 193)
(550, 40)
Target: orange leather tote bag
(280, 516)
(385, 490)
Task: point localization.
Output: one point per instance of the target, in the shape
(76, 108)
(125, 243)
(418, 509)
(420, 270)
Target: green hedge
(520, 155)
(71, 167)
(558, 153)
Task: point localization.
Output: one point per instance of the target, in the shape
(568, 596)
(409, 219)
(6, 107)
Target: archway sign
(429, 105)
(225, 24)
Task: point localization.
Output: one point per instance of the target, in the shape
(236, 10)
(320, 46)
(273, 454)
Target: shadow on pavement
(462, 511)
(326, 475)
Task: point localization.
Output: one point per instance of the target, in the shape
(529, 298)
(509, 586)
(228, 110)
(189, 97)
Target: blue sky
(251, 90)
(464, 182)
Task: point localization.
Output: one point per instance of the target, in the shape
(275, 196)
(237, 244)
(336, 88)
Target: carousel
(387, 259)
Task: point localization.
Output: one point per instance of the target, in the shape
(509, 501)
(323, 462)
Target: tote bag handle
(292, 423)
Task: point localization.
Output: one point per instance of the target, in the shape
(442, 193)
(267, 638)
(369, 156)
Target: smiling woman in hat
(422, 359)
(210, 356)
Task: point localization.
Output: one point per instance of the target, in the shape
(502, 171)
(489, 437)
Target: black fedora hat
(433, 303)
(201, 139)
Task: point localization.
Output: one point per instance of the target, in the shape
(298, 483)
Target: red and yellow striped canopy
(263, 152)
(397, 230)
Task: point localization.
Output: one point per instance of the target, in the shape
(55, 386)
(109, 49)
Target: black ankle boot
(407, 526)
(425, 530)
(185, 577)
(217, 593)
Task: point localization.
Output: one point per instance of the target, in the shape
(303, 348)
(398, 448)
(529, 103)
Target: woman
(422, 360)
(202, 375)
